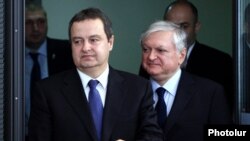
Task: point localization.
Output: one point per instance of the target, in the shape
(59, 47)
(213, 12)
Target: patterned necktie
(96, 106)
(161, 106)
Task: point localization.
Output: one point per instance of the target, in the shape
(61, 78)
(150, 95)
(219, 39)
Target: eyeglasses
(40, 22)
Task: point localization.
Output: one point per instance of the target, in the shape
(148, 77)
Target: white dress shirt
(101, 87)
(171, 88)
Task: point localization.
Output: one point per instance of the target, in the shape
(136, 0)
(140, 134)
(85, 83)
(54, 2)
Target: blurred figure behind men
(54, 55)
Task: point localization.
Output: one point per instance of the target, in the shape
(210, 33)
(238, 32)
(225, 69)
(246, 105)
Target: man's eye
(41, 21)
(145, 49)
(77, 42)
(184, 26)
(93, 40)
(161, 50)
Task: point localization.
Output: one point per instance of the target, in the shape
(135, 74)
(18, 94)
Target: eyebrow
(91, 36)
(73, 38)
(95, 35)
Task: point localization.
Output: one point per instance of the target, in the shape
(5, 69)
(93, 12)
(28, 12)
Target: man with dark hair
(93, 102)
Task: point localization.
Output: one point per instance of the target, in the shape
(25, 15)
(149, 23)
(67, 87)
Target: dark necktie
(35, 76)
(96, 107)
(161, 106)
(35, 72)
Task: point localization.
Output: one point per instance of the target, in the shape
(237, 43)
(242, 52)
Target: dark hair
(92, 13)
(186, 2)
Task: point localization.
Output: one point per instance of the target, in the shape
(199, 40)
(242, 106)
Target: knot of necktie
(93, 83)
(34, 56)
(160, 91)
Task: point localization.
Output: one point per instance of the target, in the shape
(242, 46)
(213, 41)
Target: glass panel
(243, 64)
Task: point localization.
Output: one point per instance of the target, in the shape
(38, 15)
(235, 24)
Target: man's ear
(183, 54)
(197, 27)
(111, 42)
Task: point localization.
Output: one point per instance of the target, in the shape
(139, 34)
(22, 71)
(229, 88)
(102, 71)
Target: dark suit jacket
(213, 64)
(198, 102)
(59, 55)
(60, 110)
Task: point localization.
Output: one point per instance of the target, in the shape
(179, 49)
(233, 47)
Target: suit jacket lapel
(74, 94)
(114, 97)
(183, 95)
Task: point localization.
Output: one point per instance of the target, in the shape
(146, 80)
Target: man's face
(35, 28)
(90, 46)
(160, 58)
(183, 16)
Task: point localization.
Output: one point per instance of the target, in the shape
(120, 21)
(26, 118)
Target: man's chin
(153, 73)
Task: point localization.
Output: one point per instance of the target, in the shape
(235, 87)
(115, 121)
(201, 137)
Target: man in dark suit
(53, 55)
(62, 107)
(201, 59)
(185, 103)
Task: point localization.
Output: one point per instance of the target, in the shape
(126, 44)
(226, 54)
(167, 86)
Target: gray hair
(179, 35)
(35, 7)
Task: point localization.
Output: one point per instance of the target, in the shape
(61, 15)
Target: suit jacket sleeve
(148, 129)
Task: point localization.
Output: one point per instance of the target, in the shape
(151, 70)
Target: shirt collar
(42, 50)
(103, 78)
(171, 85)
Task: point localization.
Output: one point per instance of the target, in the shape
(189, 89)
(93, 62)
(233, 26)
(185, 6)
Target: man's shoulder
(130, 76)
(199, 81)
(59, 78)
(57, 42)
(206, 49)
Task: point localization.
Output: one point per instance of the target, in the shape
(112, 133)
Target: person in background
(52, 55)
(93, 102)
(201, 59)
(185, 103)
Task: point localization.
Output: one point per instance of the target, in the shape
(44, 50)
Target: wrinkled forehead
(33, 15)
